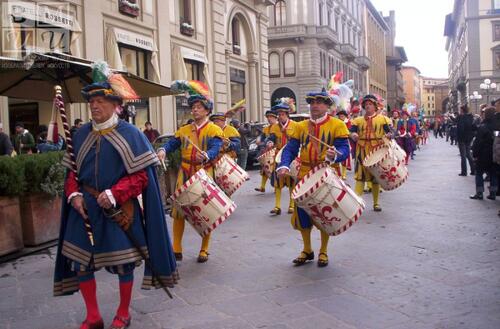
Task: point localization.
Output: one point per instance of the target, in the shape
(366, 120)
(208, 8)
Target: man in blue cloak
(114, 165)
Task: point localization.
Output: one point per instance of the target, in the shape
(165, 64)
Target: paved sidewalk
(430, 260)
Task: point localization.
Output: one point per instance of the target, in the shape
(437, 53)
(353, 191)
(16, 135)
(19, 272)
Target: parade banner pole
(59, 104)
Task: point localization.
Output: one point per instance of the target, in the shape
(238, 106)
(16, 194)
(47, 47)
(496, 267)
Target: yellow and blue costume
(278, 134)
(331, 131)
(370, 130)
(208, 137)
(266, 132)
(234, 145)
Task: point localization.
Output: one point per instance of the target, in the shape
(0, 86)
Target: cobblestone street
(429, 260)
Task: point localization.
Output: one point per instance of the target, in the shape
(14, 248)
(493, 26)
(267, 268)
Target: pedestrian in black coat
(465, 135)
(482, 152)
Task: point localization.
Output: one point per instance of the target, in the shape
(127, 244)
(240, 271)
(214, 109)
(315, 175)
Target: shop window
(235, 28)
(274, 65)
(136, 62)
(238, 83)
(280, 13)
(183, 111)
(289, 63)
(45, 39)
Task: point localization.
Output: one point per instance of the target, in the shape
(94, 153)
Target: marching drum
(399, 153)
(228, 175)
(386, 167)
(294, 166)
(204, 205)
(331, 204)
(266, 161)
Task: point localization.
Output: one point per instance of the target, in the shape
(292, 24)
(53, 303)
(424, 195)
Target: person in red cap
(368, 131)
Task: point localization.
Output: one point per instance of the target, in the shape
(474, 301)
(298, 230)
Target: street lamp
(475, 97)
(488, 85)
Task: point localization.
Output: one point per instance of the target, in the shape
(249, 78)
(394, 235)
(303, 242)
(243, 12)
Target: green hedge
(12, 182)
(26, 174)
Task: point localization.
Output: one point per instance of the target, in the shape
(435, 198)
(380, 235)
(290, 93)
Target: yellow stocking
(306, 238)
(359, 187)
(292, 201)
(263, 182)
(375, 192)
(277, 190)
(178, 229)
(324, 242)
(344, 172)
(205, 242)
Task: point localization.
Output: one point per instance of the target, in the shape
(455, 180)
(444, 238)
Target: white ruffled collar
(113, 121)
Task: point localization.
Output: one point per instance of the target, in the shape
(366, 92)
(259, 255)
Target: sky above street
(419, 29)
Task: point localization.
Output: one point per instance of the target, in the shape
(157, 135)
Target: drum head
(376, 156)
(310, 182)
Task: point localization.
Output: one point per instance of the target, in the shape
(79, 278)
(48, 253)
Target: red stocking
(88, 291)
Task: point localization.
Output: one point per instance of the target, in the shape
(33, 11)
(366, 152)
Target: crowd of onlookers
(24, 142)
(478, 139)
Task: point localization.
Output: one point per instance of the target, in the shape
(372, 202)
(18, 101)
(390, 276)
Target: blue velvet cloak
(123, 151)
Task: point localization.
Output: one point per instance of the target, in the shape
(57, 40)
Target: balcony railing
(363, 62)
(348, 51)
(301, 31)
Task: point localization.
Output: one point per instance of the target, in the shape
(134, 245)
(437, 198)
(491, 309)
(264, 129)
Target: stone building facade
(310, 40)
(472, 34)
(223, 43)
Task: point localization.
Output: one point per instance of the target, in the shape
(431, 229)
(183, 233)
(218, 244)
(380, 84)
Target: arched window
(280, 13)
(330, 13)
(289, 63)
(235, 29)
(274, 65)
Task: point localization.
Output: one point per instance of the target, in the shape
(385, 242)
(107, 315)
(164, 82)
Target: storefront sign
(134, 39)
(194, 55)
(40, 15)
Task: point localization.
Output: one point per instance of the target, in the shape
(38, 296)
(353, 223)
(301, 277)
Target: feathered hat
(196, 90)
(340, 93)
(322, 95)
(110, 85)
(285, 104)
(408, 108)
(218, 116)
(369, 98)
(271, 113)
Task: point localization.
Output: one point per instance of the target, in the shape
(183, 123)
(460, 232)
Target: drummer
(272, 119)
(331, 131)
(368, 131)
(232, 138)
(209, 139)
(346, 165)
(278, 138)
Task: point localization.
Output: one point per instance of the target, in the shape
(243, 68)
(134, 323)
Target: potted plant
(168, 178)
(187, 29)
(11, 186)
(41, 201)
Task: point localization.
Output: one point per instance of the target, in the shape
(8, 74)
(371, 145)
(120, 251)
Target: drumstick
(193, 144)
(323, 143)
(163, 165)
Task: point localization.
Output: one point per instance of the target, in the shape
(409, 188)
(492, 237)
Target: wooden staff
(59, 104)
(323, 143)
